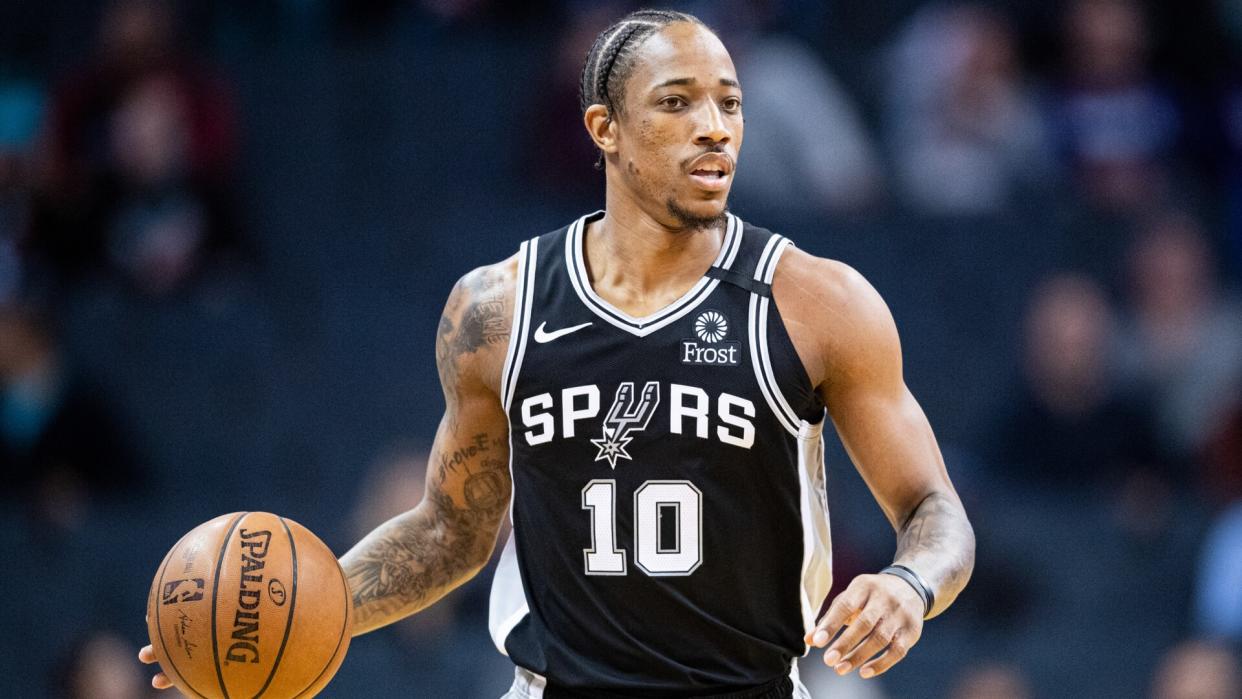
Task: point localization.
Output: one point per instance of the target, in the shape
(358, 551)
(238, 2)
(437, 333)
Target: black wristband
(917, 582)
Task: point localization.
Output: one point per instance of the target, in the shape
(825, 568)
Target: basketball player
(643, 391)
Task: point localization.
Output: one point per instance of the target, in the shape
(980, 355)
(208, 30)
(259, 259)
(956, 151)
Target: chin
(698, 214)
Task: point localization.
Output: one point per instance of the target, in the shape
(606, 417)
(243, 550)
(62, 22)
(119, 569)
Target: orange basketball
(250, 605)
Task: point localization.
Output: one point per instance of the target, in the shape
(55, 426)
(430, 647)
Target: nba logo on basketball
(178, 591)
(711, 348)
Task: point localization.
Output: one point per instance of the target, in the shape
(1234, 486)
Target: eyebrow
(727, 82)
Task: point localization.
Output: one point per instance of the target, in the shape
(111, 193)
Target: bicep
(882, 426)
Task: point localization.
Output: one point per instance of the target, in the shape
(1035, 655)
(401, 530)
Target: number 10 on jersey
(668, 528)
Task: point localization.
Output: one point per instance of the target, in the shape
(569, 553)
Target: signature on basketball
(182, 630)
(190, 555)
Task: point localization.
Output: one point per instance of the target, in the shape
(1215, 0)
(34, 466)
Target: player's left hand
(881, 614)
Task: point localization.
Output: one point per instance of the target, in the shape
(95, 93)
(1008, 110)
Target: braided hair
(611, 58)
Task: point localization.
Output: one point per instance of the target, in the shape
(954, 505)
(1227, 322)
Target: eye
(673, 102)
(732, 104)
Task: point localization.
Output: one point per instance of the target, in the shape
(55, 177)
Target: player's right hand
(160, 681)
(875, 621)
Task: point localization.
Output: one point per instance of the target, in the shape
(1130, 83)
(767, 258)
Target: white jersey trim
(816, 579)
(761, 271)
(765, 271)
(575, 263)
(762, 366)
(735, 225)
(507, 605)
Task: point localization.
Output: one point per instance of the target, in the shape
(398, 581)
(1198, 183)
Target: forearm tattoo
(938, 542)
(418, 557)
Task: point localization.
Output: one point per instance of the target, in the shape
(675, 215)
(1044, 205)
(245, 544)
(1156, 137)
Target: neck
(640, 266)
(641, 255)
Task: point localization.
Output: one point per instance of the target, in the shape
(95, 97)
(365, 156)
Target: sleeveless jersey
(670, 532)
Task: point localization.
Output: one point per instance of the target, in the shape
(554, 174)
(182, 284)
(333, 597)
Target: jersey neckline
(575, 264)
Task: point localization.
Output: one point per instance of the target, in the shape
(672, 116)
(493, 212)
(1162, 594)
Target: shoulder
(473, 335)
(489, 281)
(836, 319)
(802, 276)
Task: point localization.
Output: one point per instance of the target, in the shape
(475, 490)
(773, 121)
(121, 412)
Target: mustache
(719, 149)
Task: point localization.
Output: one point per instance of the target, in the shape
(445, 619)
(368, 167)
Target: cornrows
(611, 58)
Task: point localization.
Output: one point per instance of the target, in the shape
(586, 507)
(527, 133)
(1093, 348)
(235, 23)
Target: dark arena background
(227, 230)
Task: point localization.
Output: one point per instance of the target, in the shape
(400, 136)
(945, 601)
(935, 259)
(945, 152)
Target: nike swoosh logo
(541, 336)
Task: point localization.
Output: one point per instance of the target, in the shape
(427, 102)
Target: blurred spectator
(394, 484)
(103, 666)
(139, 148)
(1224, 142)
(991, 681)
(1115, 123)
(805, 144)
(560, 152)
(1218, 589)
(1182, 338)
(160, 220)
(1223, 459)
(21, 109)
(1229, 159)
(965, 131)
(1197, 670)
(59, 446)
(1069, 427)
(370, 19)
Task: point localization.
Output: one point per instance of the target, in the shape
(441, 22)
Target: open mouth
(711, 179)
(711, 171)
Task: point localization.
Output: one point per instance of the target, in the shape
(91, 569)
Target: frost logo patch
(711, 348)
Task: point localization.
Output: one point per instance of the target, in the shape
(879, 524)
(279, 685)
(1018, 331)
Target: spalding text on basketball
(245, 647)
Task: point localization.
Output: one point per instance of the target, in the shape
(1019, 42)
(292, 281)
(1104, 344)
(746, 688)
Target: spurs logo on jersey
(623, 417)
(711, 327)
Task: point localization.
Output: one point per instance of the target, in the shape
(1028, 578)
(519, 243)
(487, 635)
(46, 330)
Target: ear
(602, 128)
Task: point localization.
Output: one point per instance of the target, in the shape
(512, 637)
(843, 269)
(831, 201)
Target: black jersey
(670, 532)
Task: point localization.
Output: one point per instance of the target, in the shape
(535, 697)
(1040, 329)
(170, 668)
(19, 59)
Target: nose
(711, 127)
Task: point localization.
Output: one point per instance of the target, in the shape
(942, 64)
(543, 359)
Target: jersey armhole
(760, 352)
(507, 602)
(519, 328)
(810, 408)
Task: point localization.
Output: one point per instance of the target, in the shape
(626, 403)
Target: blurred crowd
(225, 229)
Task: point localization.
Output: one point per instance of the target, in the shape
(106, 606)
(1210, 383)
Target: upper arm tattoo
(476, 317)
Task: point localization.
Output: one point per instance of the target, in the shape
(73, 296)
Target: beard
(692, 222)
